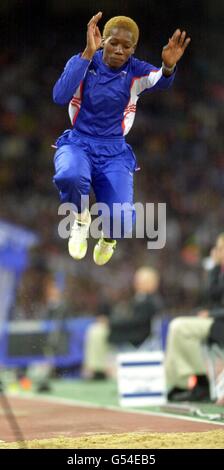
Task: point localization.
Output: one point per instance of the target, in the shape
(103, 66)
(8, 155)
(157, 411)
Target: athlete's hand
(93, 38)
(175, 48)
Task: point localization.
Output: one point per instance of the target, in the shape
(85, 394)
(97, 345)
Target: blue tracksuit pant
(106, 165)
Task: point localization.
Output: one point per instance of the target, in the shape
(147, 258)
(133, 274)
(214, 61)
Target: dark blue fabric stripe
(138, 395)
(148, 363)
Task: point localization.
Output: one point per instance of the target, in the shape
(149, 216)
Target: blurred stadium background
(178, 140)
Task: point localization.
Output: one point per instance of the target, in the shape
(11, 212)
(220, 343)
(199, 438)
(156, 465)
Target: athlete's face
(118, 47)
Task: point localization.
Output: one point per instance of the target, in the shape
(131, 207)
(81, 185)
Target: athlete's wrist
(167, 71)
(87, 54)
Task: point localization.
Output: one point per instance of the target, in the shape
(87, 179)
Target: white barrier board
(141, 379)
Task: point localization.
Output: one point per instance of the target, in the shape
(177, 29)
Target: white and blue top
(102, 101)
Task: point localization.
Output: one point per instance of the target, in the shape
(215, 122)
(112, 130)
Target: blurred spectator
(125, 325)
(184, 355)
(132, 323)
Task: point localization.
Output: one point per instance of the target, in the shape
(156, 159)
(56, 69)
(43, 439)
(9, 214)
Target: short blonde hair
(121, 22)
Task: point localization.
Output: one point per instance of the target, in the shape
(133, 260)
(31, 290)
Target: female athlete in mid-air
(102, 86)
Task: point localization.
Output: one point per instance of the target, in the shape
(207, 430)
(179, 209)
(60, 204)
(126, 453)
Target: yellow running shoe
(103, 251)
(77, 244)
